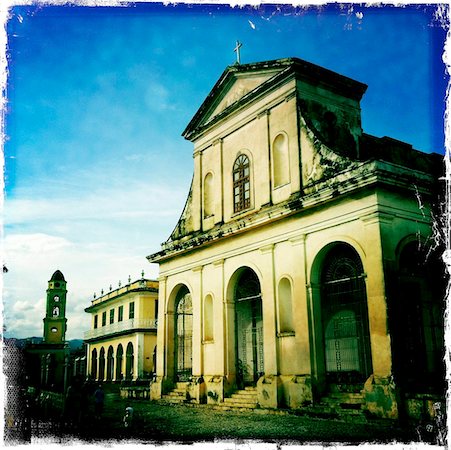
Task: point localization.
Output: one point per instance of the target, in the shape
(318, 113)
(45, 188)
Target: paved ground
(155, 423)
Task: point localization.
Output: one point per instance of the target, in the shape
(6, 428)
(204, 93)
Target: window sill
(241, 213)
(208, 341)
(286, 334)
(280, 186)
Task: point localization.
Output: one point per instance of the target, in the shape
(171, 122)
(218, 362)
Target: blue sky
(96, 170)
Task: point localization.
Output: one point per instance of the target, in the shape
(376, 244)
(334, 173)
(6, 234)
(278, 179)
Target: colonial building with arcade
(122, 339)
(303, 263)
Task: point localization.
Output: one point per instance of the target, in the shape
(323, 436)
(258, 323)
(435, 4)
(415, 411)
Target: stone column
(162, 339)
(88, 360)
(139, 360)
(162, 327)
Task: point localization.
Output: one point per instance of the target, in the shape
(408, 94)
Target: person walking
(99, 398)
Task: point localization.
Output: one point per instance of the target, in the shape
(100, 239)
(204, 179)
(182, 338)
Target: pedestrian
(128, 417)
(99, 397)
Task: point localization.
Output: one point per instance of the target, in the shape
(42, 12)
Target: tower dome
(57, 276)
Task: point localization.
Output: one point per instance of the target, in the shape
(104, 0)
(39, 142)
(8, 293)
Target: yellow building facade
(121, 344)
(296, 268)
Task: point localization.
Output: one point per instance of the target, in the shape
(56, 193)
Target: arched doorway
(119, 357)
(129, 361)
(110, 364)
(183, 335)
(102, 364)
(249, 328)
(344, 316)
(417, 312)
(94, 364)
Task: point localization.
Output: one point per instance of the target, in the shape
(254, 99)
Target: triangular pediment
(240, 86)
(236, 82)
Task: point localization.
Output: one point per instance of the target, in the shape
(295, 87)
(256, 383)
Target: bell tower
(55, 316)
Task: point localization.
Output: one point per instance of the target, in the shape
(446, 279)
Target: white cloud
(95, 239)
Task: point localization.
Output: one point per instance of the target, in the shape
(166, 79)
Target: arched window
(208, 195)
(102, 364)
(56, 311)
(241, 184)
(94, 364)
(119, 357)
(208, 318)
(285, 306)
(281, 163)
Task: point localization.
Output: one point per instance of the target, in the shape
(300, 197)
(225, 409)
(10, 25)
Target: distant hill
(74, 344)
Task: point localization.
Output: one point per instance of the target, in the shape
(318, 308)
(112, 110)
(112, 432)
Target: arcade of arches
(113, 362)
(293, 343)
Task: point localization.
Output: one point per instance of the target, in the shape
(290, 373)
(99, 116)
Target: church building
(302, 265)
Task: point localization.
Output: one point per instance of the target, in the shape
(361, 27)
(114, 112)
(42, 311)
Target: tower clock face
(56, 298)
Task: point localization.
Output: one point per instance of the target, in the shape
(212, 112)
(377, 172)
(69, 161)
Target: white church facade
(297, 265)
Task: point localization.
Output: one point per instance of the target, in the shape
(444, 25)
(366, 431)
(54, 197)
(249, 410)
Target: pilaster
(376, 299)
(269, 310)
(197, 301)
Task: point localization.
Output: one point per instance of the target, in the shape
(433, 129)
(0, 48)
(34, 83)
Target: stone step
(242, 395)
(250, 388)
(175, 394)
(345, 396)
(239, 401)
(344, 401)
(179, 391)
(168, 399)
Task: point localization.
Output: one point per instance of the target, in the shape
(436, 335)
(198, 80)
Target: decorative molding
(298, 240)
(267, 249)
(377, 217)
(290, 96)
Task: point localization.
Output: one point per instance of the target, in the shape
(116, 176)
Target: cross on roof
(237, 51)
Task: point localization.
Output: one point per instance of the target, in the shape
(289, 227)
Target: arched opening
(110, 364)
(281, 165)
(94, 364)
(249, 328)
(347, 350)
(208, 195)
(129, 361)
(208, 318)
(417, 325)
(285, 306)
(119, 357)
(183, 335)
(102, 364)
